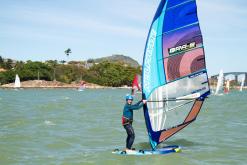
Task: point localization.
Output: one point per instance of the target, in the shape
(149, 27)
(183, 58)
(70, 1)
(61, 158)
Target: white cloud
(58, 19)
(220, 14)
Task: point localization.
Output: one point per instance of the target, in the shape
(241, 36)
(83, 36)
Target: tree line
(105, 73)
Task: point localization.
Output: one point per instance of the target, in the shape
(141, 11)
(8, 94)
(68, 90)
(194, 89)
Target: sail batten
(180, 28)
(174, 75)
(174, 4)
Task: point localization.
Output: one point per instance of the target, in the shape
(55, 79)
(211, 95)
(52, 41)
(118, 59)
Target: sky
(43, 29)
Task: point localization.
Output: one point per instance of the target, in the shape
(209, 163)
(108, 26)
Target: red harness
(126, 121)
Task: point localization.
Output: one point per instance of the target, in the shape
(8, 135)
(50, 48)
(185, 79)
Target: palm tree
(67, 52)
(62, 61)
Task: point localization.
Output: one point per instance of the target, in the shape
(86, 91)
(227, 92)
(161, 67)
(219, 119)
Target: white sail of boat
(220, 82)
(17, 81)
(242, 84)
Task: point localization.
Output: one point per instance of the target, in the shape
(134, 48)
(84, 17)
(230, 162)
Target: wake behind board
(160, 151)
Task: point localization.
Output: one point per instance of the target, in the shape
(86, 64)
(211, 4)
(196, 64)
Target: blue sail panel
(180, 16)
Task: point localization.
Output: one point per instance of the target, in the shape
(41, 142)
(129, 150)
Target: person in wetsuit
(127, 119)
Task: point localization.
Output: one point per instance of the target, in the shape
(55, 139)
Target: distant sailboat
(219, 87)
(242, 84)
(82, 87)
(17, 81)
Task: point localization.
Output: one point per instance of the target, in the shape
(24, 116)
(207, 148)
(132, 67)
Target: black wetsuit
(127, 120)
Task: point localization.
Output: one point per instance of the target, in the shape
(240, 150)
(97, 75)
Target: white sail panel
(169, 104)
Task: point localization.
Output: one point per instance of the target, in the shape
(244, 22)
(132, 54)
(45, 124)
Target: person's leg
(128, 136)
(131, 136)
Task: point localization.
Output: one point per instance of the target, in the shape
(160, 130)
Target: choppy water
(70, 127)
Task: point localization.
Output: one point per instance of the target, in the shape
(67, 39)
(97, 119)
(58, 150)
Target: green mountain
(119, 59)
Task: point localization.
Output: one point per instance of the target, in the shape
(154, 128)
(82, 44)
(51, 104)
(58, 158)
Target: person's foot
(129, 150)
(132, 149)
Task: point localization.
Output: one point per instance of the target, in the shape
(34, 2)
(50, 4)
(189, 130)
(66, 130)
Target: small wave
(183, 142)
(66, 98)
(50, 156)
(238, 123)
(221, 94)
(47, 122)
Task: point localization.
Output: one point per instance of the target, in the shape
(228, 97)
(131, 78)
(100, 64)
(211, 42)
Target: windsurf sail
(17, 81)
(174, 75)
(219, 87)
(242, 84)
(136, 86)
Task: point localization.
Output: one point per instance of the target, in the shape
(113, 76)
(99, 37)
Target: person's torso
(127, 112)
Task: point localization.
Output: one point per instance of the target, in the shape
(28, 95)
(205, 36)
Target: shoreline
(42, 84)
(50, 87)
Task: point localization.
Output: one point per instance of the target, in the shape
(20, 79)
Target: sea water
(65, 126)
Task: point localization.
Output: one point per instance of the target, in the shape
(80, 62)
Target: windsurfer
(127, 119)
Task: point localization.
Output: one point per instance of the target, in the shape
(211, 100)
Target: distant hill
(118, 58)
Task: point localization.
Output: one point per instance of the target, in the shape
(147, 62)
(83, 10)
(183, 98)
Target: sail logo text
(181, 48)
(148, 60)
